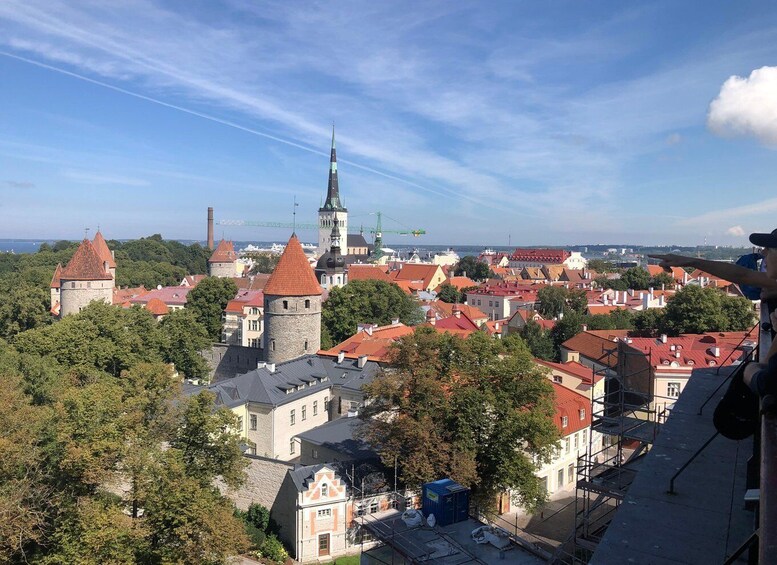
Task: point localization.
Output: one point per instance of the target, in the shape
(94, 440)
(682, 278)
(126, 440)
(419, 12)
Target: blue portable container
(447, 500)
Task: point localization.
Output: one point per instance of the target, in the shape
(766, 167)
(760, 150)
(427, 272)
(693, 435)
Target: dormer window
(564, 421)
(582, 413)
(558, 379)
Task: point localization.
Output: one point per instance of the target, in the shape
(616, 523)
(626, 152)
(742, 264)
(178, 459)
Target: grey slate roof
(338, 435)
(301, 377)
(357, 240)
(300, 475)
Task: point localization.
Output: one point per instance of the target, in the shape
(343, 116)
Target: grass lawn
(349, 560)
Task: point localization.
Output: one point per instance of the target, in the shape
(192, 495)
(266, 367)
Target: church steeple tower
(333, 210)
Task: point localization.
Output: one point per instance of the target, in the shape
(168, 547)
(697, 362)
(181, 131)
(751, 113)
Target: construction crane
(377, 230)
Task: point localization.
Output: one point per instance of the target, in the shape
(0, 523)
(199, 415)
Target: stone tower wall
(325, 223)
(222, 270)
(54, 297)
(75, 295)
(287, 328)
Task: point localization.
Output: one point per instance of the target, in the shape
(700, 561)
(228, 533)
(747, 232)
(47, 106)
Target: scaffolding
(627, 420)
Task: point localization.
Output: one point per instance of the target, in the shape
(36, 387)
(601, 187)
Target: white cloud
(747, 106)
(736, 231)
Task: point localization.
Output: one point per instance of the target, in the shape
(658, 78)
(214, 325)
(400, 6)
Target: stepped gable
(292, 275)
(102, 250)
(224, 253)
(57, 274)
(86, 265)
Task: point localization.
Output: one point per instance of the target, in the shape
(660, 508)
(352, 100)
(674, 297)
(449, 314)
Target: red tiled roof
(686, 350)
(170, 295)
(292, 275)
(569, 404)
(192, 280)
(367, 272)
(540, 255)
(224, 253)
(55, 278)
(245, 298)
(374, 343)
(444, 309)
(157, 307)
(102, 250)
(122, 296)
(416, 272)
(573, 368)
(594, 344)
(86, 265)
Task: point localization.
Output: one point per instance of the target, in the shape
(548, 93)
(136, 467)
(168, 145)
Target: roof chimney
(340, 356)
(260, 365)
(271, 367)
(456, 310)
(430, 317)
(715, 351)
(584, 328)
(361, 361)
(210, 227)
(663, 338)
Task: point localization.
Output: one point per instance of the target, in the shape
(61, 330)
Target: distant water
(22, 245)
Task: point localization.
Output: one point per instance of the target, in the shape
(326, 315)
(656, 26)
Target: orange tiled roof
(157, 307)
(367, 272)
(375, 343)
(444, 309)
(594, 344)
(224, 253)
(459, 282)
(55, 278)
(569, 404)
(585, 374)
(122, 296)
(102, 250)
(416, 272)
(252, 282)
(292, 275)
(86, 265)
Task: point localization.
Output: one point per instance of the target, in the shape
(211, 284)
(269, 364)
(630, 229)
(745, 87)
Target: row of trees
(103, 460)
(691, 310)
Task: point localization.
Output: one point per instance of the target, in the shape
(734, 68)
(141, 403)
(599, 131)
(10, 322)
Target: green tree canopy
(697, 310)
(450, 294)
(538, 340)
(207, 301)
(367, 301)
(476, 402)
(555, 300)
(474, 269)
(636, 278)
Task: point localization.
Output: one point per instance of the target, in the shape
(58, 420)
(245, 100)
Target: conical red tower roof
(86, 265)
(102, 250)
(224, 253)
(57, 274)
(292, 275)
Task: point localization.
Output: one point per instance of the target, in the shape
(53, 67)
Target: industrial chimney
(210, 227)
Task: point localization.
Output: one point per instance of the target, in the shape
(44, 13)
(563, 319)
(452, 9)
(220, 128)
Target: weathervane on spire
(294, 214)
(86, 233)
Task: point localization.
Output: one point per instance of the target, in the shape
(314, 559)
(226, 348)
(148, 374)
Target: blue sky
(546, 122)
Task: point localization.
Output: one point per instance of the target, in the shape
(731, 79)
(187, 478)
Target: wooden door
(323, 545)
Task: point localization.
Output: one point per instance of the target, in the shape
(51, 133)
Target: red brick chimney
(210, 227)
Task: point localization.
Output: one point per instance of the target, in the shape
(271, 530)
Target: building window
(585, 437)
(253, 421)
(307, 303)
(577, 445)
(272, 345)
(291, 447)
(570, 473)
(564, 421)
(560, 478)
(558, 379)
(306, 345)
(315, 407)
(567, 445)
(324, 489)
(285, 304)
(582, 413)
(292, 417)
(240, 423)
(315, 454)
(673, 390)
(326, 404)
(325, 513)
(304, 412)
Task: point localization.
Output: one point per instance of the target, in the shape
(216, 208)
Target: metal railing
(767, 511)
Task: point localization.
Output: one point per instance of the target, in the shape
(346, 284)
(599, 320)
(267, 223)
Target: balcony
(699, 497)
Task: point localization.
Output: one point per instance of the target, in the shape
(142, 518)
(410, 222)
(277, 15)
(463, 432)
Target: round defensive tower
(86, 277)
(292, 307)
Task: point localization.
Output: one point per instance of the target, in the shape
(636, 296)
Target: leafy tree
(207, 301)
(474, 269)
(538, 340)
(648, 323)
(183, 337)
(23, 307)
(264, 262)
(476, 402)
(566, 328)
(636, 278)
(367, 301)
(660, 280)
(614, 284)
(450, 294)
(698, 310)
(208, 445)
(552, 301)
(601, 266)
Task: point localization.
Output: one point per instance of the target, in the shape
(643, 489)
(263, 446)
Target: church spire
(333, 188)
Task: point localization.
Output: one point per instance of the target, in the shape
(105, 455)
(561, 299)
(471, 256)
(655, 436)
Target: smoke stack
(210, 227)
